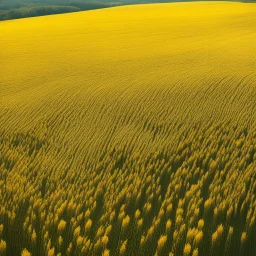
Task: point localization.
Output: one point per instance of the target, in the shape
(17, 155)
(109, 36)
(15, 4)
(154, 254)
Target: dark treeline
(14, 9)
(31, 11)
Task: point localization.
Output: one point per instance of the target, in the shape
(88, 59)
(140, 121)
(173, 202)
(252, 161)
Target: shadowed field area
(130, 129)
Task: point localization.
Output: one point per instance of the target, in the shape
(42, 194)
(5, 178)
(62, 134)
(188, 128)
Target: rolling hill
(129, 131)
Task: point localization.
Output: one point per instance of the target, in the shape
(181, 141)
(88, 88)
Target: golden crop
(129, 131)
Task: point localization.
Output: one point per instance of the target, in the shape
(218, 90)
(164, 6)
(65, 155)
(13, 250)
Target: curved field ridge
(129, 129)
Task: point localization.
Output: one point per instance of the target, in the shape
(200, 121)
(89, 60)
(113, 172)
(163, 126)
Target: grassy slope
(138, 78)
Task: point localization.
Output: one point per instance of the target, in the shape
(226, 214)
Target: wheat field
(129, 131)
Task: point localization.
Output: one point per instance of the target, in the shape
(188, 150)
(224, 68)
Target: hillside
(135, 122)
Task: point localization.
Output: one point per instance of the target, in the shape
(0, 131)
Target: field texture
(129, 131)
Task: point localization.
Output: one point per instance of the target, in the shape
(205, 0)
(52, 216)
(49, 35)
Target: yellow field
(129, 131)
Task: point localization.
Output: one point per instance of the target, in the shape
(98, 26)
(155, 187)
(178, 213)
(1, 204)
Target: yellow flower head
(187, 249)
(161, 242)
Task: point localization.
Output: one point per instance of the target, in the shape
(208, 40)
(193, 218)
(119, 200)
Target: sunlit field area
(129, 131)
